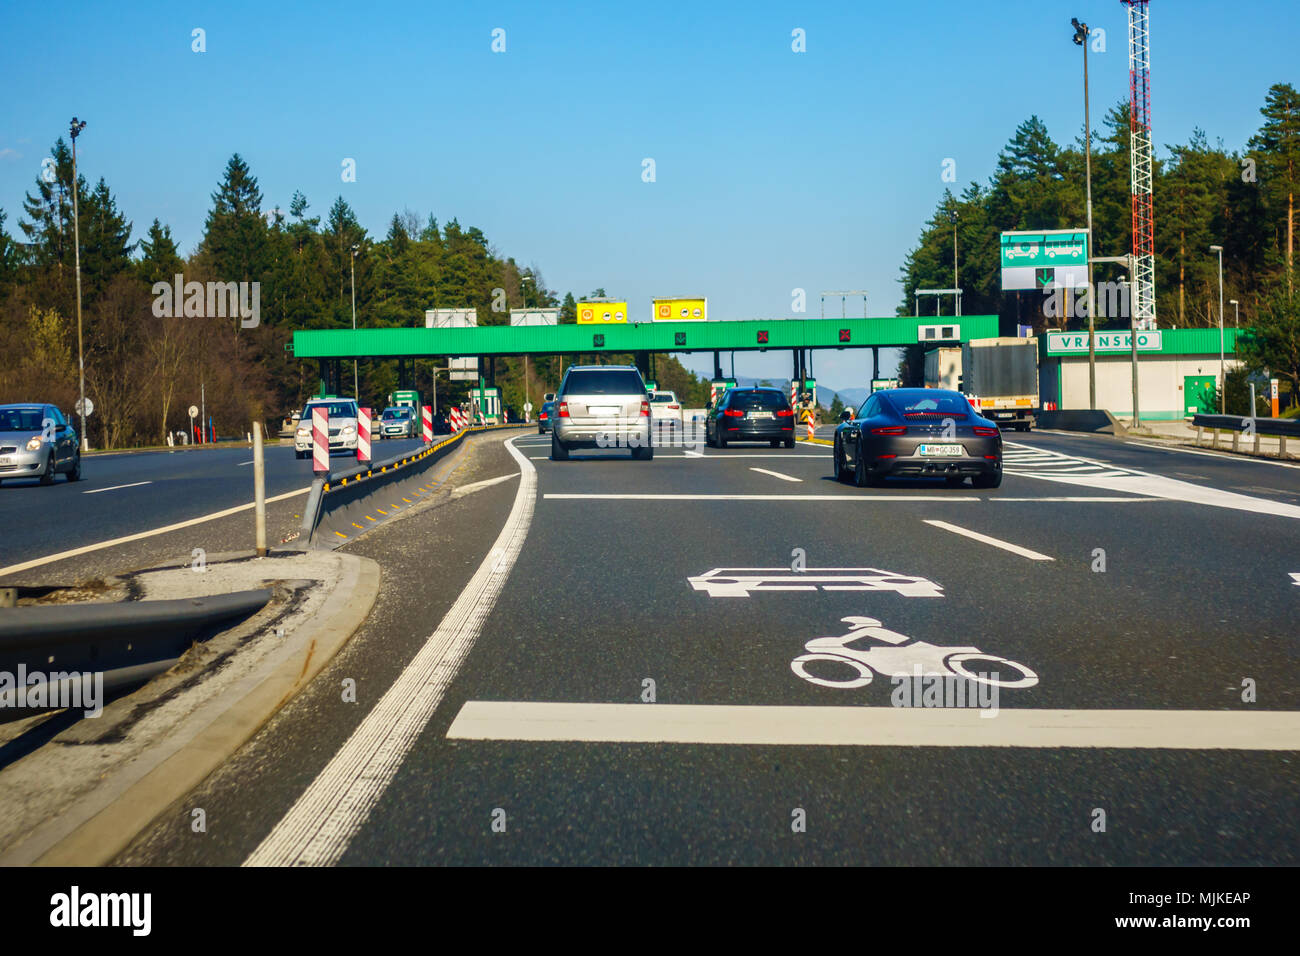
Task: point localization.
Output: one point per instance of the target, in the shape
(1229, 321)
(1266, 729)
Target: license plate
(941, 451)
(758, 415)
(603, 411)
(6, 461)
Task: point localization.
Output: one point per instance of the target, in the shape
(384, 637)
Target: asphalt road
(123, 494)
(1196, 597)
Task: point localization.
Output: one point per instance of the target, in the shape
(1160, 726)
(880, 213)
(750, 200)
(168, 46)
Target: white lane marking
(1222, 456)
(774, 474)
(86, 549)
(876, 726)
(134, 484)
(243, 463)
(480, 485)
(322, 822)
(741, 582)
(938, 499)
(1104, 499)
(1156, 486)
(1295, 578)
(995, 542)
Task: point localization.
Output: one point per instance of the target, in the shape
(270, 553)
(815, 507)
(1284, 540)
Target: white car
(342, 425)
(664, 405)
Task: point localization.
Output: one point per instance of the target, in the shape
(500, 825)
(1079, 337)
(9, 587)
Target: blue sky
(775, 170)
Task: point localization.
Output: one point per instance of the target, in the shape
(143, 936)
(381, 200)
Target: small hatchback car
(36, 441)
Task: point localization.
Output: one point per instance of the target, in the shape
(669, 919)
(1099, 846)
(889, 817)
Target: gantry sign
(662, 337)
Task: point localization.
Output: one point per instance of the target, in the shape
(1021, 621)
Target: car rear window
(935, 405)
(663, 398)
(757, 398)
(393, 413)
(20, 419)
(604, 382)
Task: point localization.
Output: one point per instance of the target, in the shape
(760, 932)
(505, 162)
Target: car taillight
(675, 408)
(543, 416)
(563, 410)
(645, 409)
(890, 430)
(986, 432)
(784, 412)
(733, 413)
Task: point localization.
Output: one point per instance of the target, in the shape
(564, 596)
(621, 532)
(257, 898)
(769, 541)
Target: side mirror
(846, 415)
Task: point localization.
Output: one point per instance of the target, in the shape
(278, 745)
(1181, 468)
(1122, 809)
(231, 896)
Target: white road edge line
(976, 536)
(319, 826)
(774, 474)
(1210, 453)
(134, 484)
(876, 726)
(86, 549)
(691, 497)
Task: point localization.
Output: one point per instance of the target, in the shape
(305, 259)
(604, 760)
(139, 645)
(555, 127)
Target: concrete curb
(1081, 420)
(96, 829)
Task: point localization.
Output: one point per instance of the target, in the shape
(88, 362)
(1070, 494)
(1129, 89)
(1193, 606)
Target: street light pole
(1223, 382)
(352, 268)
(1081, 39)
(77, 127)
(523, 294)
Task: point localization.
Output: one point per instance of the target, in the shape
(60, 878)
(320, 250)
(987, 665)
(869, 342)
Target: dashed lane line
(994, 542)
(775, 474)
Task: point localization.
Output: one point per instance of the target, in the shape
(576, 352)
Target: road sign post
(363, 436)
(259, 490)
(320, 440)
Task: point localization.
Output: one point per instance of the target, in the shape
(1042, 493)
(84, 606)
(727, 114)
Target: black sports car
(918, 433)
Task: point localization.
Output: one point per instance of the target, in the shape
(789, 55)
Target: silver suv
(601, 406)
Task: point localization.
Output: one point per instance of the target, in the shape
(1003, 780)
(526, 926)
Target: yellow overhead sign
(680, 310)
(601, 313)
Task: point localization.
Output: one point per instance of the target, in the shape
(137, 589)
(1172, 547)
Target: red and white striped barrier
(320, 440)
(456, 419)
(426, 416)
(812, 431)
(363, 435)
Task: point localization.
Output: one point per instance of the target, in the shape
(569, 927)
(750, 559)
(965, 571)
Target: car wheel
(988, 481)
(789, 443)
(863, 477)
(775, 443)
(721, 442)
(841, 470)
(47, 476)
(75, 473)
(643, 454)
(299, 454)
(558, 451)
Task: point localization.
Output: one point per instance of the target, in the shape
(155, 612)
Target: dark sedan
(544, 417)
(918, 433)
(750, 414)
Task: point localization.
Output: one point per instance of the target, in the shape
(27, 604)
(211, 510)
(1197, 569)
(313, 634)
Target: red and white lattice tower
(1144, 226)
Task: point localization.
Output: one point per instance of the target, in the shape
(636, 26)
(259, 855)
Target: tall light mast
(1144, 230)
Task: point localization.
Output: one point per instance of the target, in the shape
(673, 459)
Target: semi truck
(1000, 375)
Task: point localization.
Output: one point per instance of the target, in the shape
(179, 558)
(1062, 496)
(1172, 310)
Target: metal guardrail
(1242, 425)
(346, 488)
(125, 642)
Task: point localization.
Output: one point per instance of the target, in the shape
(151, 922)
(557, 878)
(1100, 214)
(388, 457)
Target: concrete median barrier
(1081, 420)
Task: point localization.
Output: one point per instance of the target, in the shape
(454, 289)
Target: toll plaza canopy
(709, 336)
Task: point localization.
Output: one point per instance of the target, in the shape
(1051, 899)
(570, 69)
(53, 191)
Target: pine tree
(159, 258)
(234, 245)
(1278, 146)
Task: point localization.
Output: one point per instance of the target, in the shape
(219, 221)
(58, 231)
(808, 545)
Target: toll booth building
(1178, 370)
